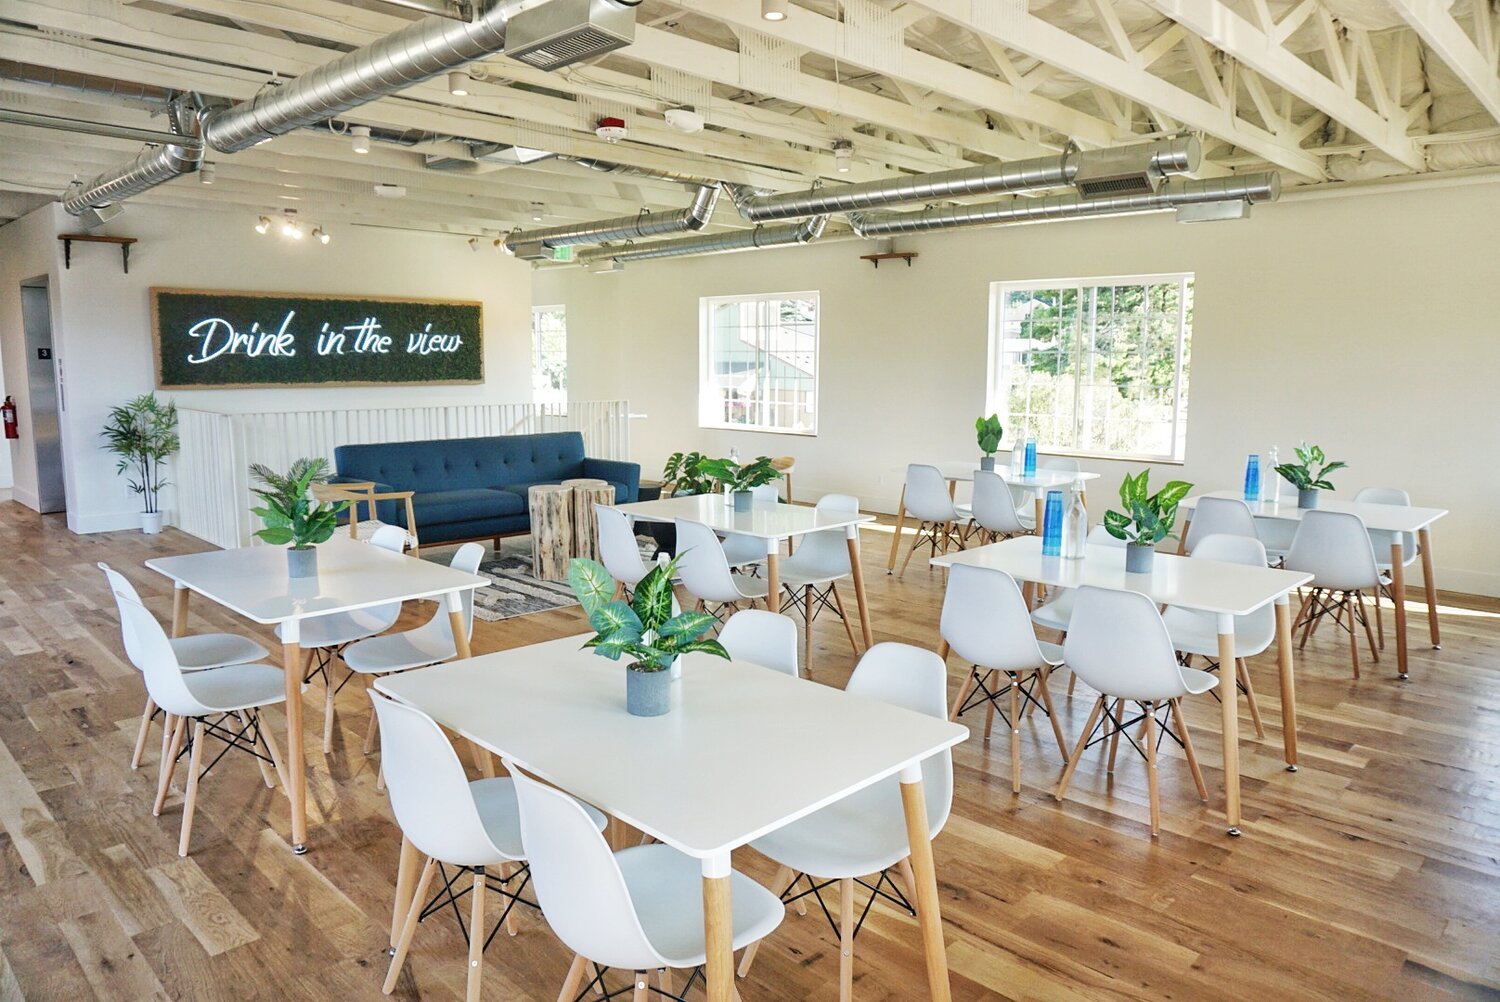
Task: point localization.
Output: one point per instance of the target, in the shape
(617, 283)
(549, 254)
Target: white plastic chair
(1196, 634)
(865, 832)
(196, 652)
(705, 573)
(639, 909)
(207, 699)
(453, 822)
(1276, 534)
(985, 622)
(1381, 540)
(811, 575)
(618, 550)
(768, 639)
(994, 509)
(926, 497)
(1119, 645)
(1334, 548)
(1218, 517)
(743, 551)
(325, 637)
(1055, 613)
(1060, 464)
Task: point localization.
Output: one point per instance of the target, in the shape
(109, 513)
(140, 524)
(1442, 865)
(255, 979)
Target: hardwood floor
(1373, 873)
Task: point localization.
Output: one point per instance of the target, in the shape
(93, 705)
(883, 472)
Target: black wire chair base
(446, 898)
(1161, 712)
(596, 984)
(1320, 606)
(247, 739)
(937, 536)
(982, 693)
(877, 890)
(795, 599)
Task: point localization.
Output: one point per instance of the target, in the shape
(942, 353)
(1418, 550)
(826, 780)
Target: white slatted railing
(213, 496)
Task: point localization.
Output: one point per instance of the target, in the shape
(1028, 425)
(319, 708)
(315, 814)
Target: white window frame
(709, 403)
(996, 399)
(536, 353)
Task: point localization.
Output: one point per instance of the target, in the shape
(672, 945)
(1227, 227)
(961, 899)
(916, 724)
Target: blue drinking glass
(1052, 525)
(1252, 478)
(1030, 470)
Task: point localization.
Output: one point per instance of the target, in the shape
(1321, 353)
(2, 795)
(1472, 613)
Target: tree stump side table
(588, 492)
(551, 507)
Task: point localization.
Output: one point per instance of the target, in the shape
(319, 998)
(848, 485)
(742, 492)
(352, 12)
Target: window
(549, 355)
(1096, 366)
(760, 363)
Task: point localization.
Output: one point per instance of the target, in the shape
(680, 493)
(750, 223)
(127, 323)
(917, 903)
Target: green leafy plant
(681, 476)
(1147, 518)
(988, 430)
(143, 433)
(290, 515)
(644, 628)
(1302, 476)
(739, 476)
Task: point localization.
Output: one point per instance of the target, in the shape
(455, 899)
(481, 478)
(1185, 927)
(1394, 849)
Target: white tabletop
(1041, 480)
(1204, 585)
(1387, 517)
(253, 581)
(764, 520)
(728, 764)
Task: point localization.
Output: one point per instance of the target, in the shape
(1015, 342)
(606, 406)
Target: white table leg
(773, 575)
(919, 837)
(296, 758)
(1288, 682)
(718, 929)
(1229, 703)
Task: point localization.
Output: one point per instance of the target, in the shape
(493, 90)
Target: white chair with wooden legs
(195, 652)
(811, 576)
(1196, 634)
(705, 573)
(927, 499)
(618, 550)
(865, 832)
(453, 822)
(324, 637)
(1119, 646)
(994, 509)
(639, 909)
(747, 553)
(1218, 517)
(768, 639)
(1276, 534)
(1334, 547)
(984, 621)
(1055, 613)
(204, 704)
(1382, 540)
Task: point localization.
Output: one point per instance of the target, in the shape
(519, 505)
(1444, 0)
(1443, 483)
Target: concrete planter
(648, 693)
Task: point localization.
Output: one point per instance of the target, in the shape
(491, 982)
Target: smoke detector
(685, 120)
(391, 190)
(611, 129)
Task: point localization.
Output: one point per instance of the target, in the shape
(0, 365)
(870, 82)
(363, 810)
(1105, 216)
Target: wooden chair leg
(1151, 768)
(190, 802)
(1015, 734)
(476, 936)
(1364, 617)
(920, 527)
(168, 724)
(642, 988)
(1244, 676)
(141, 735)
(908, 880)
(1083, 739)
(574, 979)
(507, 870)
(664, 979)
(169, 764)
(846, 940)
(328, 690)
(272, 749)
(747, 959)
(1062, 744)
(265, 767)
(838, 604)
(419, 898)
(1379, 622)
(1116, 726)
(807, 625)
(963, 693)
(1353, 634)
(1187, 748)
(989, 704)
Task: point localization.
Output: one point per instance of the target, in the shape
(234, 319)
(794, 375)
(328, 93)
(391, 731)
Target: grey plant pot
(1138, 559)
(987, 463)
(743, 500)
(648, 693)
(1307, 498)
(302, 563)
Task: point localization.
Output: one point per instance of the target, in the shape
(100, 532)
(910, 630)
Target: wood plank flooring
(1373, 873)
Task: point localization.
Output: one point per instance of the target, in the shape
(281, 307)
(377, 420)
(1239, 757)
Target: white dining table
(252, 581)
(772, 522)
(1222, 589)
(705, 778)
(1395, 518)
(1039, 483)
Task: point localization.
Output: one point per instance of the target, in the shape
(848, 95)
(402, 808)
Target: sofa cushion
(436, 507)
(460, 463)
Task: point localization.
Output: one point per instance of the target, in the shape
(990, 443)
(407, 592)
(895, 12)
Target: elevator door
(41, 380)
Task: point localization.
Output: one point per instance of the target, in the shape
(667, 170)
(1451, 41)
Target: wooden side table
(588, 492)
(551, 507)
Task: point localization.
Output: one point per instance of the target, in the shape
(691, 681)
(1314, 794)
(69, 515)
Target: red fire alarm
(611, 129)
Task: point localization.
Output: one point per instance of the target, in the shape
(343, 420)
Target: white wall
(1364, 323)
(28, 249)
(101, 320)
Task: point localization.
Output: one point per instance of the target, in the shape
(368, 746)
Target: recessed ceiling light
(843, 155)
(361, 138)
(458, 83)
(773, 10)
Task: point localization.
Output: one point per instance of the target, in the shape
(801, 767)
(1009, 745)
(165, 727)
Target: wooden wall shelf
(875, 259)
(93, 238)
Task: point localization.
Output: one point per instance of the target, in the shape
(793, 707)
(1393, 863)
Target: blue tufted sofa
(475, 488)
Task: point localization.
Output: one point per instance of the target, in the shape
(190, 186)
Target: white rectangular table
(1038, 483)
(705, 778)
(1225, 590)
(1387, 517)
(772, 522)
(252, 581)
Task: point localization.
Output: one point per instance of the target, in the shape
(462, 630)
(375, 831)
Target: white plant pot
(151, 522)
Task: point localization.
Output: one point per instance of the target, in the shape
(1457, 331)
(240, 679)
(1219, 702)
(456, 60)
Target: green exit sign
(562, 253)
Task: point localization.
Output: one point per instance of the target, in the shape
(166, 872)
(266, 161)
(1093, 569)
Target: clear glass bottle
(1075, 525)
(1270, 480)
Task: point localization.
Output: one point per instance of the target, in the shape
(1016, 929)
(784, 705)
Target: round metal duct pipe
(644, 224)
(714, 243)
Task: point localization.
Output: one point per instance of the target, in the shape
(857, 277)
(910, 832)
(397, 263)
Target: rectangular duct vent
(1126, 171)
(562, 32)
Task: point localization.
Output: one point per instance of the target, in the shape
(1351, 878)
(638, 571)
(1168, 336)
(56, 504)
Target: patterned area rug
(515, 592)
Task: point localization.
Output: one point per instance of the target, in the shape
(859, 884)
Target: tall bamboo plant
(143, 433)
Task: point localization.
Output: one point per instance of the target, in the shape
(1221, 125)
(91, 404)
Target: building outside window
(1095, 366)
(759, 363)
(549, 355)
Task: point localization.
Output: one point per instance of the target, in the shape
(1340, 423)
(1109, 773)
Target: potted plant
(643, 628)
(143, 433)
(738, 478)
(1301, 474)
(681, 475)
(988, 431)
(1147, 518)
(293, 517)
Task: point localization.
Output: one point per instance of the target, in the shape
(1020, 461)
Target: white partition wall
(213, 490)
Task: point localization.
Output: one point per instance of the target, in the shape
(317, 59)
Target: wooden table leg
(1398, 596)
(1429, 583)
(1182, 537)
(1230, 704)
(890, 565)
(1288, 683)
(929, 917)
(718, 929)
(180, 596)
(406, 882)
(1038, 504)
(851, 539)
(296, 758)
(773, 575)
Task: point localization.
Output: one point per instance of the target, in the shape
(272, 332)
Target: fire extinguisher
(8, 412)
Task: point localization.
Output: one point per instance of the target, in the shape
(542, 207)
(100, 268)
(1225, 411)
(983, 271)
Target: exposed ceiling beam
(1436, 27)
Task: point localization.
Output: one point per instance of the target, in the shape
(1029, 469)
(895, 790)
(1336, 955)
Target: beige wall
(1366, 323)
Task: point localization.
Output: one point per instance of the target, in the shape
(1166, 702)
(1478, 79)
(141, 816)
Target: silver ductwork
(759, 238)
(628, 170)
(1250, 188)
(536, 244)
(152, 166)
(1151, 162)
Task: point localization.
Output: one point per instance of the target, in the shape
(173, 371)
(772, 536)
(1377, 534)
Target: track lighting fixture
(843, 155)
(474, 244)
(263, 225)
(773, 10)
(458, 83)
(291, 228)
(361, 138)
(321, 235)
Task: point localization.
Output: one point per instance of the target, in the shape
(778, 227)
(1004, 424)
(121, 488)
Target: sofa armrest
(616, 471)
